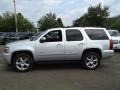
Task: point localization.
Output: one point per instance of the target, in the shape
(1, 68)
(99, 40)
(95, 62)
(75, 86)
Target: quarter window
(73, 35)
(96, 34)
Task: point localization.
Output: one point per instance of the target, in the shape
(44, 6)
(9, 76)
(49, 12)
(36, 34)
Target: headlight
(6, 49)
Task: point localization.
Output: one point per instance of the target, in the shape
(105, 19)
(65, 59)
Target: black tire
(26, 60)
(90, 64)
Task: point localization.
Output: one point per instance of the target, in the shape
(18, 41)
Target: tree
(1, 23)
(48, 21)
(82, 21)
(24, 24)
(96, 16)
(113, 22)
(7, 23)
(60, 22)
(116, 24)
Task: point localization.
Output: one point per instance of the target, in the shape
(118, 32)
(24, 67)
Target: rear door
(74, 44)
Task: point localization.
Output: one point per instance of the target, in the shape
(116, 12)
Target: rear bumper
(107, 53)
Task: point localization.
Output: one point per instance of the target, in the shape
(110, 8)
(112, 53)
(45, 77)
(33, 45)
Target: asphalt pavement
(67, 76)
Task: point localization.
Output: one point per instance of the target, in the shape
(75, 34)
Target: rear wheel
(91, 60)
(22, 62)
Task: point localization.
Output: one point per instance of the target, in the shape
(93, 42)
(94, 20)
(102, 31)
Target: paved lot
(63, 77)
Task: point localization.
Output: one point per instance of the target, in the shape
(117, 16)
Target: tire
(22, 62)
(91, 61)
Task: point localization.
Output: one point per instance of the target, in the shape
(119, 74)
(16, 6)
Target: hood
(20, 43)
(115, 38)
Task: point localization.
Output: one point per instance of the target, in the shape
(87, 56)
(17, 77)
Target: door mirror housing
(43, 39)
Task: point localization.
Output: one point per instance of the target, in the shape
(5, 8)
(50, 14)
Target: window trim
(73, 29)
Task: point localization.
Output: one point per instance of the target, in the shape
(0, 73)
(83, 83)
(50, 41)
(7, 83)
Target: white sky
(68, 10)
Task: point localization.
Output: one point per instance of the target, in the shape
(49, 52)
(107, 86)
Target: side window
(73, 35)
(54, 36)
(96, 34)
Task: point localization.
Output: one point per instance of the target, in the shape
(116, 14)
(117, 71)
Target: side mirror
(43, 39)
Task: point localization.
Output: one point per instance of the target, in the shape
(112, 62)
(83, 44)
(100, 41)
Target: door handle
(81, 44)
(58, 45)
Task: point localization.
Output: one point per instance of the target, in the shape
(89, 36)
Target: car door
(52, 48)
(74, 44)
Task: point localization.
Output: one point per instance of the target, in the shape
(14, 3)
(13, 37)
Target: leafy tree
(48, 21)
(7, 23)
(1, 22)
(82, 21)
(60, 22)
(116, 24)
(111, 23)
(96, 16)
(24, 24)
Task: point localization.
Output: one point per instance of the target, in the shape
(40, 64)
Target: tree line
(7, 23)
(96, 16)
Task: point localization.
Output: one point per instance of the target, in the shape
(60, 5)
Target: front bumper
(107, 53)
(116, 46)
(7, 58)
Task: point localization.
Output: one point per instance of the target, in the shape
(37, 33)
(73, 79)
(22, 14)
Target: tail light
(111, 44)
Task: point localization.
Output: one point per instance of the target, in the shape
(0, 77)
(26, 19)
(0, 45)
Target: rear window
(96, 34)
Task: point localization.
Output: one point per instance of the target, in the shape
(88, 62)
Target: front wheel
(91, 60)
(22, 62)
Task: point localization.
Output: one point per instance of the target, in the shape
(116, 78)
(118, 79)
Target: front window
(53, 36)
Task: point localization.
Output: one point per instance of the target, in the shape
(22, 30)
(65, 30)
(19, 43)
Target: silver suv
(87, 45)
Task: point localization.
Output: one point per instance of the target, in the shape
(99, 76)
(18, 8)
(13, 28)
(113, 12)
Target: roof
(78, 28)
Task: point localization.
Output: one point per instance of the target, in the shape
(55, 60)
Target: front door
(52, 48)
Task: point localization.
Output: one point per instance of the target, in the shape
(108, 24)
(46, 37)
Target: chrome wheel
(91, 61)
(22, 63)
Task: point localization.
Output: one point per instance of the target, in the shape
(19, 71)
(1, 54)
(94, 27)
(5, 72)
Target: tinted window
(114, 33)
(54, 36)
(73, 35)
(96, 34)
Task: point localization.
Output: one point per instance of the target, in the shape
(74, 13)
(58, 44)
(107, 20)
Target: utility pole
(16, 24)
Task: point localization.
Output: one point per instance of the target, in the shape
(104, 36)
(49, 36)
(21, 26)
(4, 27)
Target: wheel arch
(96, 50)
(22, 51)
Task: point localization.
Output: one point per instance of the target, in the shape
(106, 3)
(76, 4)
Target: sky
(68, 10)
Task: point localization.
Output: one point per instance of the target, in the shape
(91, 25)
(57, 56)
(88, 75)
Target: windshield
(114, 33)
(36, 36)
